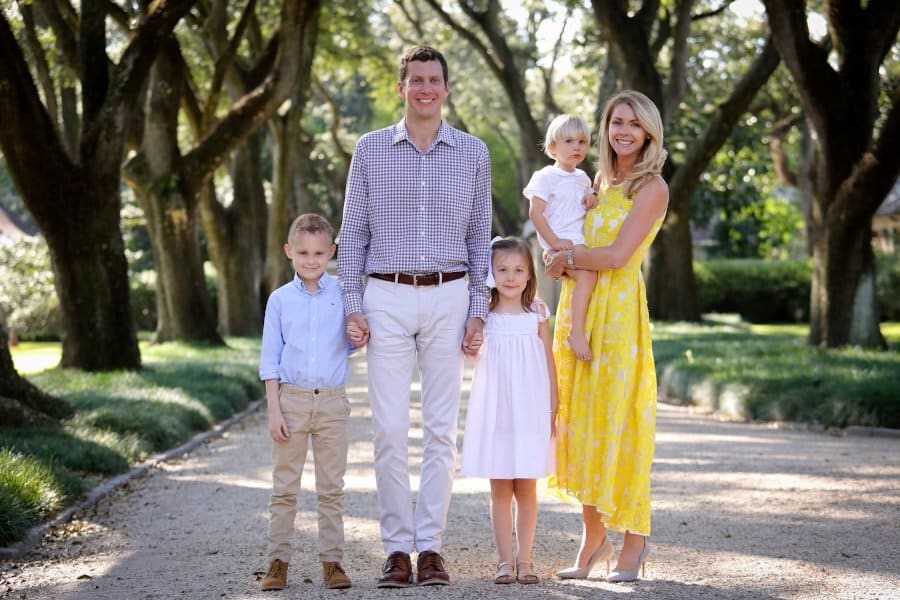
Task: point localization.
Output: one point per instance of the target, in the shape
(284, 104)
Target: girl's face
(626, 135)
(511, 274)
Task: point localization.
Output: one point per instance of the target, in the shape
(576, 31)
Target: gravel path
(740, 511)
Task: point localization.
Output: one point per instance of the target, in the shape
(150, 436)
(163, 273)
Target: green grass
(120, 418)
(776, 375)
(29, 491)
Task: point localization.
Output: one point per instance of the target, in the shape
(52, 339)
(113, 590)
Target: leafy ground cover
(769, 373)
(120, 418)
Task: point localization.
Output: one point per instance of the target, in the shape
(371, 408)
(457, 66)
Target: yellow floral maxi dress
(607, 407)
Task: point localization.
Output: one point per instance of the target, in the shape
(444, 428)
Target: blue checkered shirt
(408, 211)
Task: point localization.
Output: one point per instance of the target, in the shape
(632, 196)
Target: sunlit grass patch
(779, 375)
(29, 490)
(121, 417)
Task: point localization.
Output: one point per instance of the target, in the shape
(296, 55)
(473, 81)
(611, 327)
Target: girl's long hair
(520, 246)
(652, 156)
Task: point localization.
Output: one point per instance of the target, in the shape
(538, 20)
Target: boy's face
(309, 254)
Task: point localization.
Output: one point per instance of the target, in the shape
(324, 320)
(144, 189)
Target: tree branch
(719, 128)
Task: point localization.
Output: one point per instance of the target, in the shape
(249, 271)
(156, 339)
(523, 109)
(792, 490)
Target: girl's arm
(649, 205)
(536, 214)
(544, 334)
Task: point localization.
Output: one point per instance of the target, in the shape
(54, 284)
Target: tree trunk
(76, 204)
(236, 237)
(21, 403)
(281, 206)
(843, 303)
(669, 272)
(91, 279)
(188, 313)
(857, 155)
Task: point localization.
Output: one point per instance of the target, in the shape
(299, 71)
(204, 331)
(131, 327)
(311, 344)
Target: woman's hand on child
(589, 200)
(563, 245)
(554, 263)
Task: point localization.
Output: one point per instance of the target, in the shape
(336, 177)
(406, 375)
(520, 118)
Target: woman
(607, 407)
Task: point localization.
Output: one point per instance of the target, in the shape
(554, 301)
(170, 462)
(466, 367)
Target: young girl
(512, 405)
(560, 195)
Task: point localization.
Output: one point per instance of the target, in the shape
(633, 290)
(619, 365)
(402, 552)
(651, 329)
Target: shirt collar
(445, 133)
(324, 283)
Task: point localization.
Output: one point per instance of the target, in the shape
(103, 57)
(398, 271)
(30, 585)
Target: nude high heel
(603, 552)
(632, 575)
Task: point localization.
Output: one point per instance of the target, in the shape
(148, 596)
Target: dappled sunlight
(229, 480)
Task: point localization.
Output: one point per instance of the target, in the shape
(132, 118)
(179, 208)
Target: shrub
(27, 296)
(761, 291)
(888, 286)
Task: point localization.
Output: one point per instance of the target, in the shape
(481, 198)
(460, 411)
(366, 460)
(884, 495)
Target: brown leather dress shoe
(431, 571)
(396, 572)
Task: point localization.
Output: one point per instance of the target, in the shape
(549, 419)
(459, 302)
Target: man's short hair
(422, 54)
(312, 224)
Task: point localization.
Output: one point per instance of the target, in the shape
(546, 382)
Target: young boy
(303, 362)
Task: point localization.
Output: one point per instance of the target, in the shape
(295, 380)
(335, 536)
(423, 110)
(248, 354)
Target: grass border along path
(770, 373)
(121, 418)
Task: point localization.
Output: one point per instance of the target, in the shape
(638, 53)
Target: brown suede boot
(276, 578)
(334, 576)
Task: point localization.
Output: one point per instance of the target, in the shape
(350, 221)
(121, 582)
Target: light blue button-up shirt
(304, 340)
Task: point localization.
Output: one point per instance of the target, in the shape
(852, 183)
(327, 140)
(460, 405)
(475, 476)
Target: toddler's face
(569, 151)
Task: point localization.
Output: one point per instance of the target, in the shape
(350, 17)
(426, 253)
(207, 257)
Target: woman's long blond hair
(652, 157)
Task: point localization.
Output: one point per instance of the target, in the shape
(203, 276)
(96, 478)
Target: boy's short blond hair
(312, 224)
(564, 126)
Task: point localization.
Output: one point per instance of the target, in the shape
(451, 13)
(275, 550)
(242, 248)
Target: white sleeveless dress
(507, 434)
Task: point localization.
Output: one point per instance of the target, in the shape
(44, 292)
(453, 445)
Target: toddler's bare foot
(579, 345)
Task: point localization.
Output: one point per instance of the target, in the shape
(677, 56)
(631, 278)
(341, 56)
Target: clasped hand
(554, 263)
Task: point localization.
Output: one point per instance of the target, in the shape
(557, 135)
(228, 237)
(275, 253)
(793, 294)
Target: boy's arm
(278, 428)
(536, 214)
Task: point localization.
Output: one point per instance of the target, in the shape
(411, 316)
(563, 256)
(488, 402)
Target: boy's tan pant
(320, 414)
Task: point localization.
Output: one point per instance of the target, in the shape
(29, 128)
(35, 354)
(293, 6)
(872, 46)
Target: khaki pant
(414, 327)
(322, 415)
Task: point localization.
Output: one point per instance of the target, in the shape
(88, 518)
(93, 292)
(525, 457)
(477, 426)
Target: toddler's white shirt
(563, 192)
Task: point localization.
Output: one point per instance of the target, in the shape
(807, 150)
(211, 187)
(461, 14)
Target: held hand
(589, 200)
(278, 428)
(474, 336)
(554, 263)
(357, 329)
(563, 245)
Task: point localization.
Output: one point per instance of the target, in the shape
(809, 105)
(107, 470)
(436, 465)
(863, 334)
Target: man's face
(424, 89)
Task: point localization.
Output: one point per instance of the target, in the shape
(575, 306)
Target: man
(417, 219)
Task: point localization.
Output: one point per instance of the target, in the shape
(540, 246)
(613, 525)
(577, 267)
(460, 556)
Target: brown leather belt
(418, 279)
